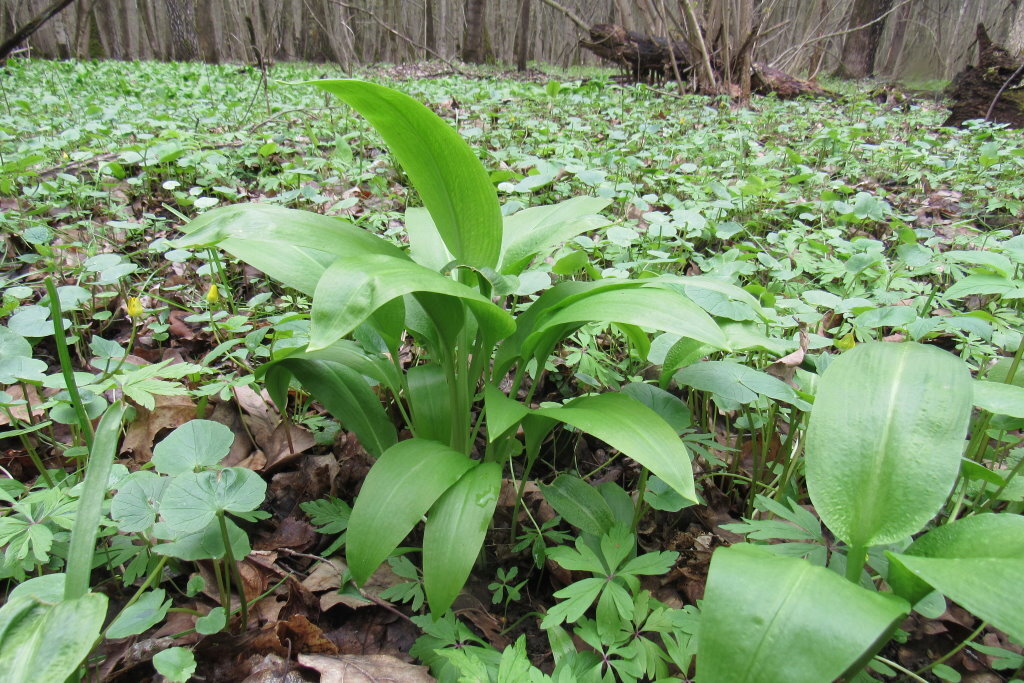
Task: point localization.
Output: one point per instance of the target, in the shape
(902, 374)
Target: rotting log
(650, 59)
(991, 90)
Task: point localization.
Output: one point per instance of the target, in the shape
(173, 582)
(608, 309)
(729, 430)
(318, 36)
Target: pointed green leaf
(631, 427)
(771, 618)
(289, 245)
(530, 232)
(353, 288)
(884, 440)
(455, 532)
(737, 382)
(402, 485)
(345, 394)
(148, 611)
(984, 284)
(429, 403)
(998, 398)
(977, 562)
(579, 503)
(450, 179)
(48, 643)
(503, 413)
(648, 307)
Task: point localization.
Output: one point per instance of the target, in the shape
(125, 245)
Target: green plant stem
(84, 423)
(638, 510)
(232, 612)
(906, 672)
(152, 577)
(855, 559)
(222, 590)
(1002, 487)
(233, 568)
(964, 643)
(27, 443)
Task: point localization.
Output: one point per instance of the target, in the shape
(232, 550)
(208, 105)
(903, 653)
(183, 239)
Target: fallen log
(991, 90)
(650, 59)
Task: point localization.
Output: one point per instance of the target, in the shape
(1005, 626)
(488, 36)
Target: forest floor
(830, 223)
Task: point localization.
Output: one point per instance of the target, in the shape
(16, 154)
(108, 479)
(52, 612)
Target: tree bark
(521, 49)
(861, 44)
(33, 25)
(898, 40)
(473, 42)
(184, 43)
(1015, 39)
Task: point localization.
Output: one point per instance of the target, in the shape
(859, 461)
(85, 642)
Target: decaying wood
(992, 90)
(647, 58)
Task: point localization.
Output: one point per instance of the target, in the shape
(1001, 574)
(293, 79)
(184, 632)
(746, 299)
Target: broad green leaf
(176, 664)
(1001, 370)
(884, 440)
(631, 427)
(647, 307)
(194, 445)
(429, 403)
(205, 544)
(345, 394)
(772, 618)
(402, 485)
(148, 611)
(193, 499)
(579, 503)
(503, 413)
(425, 244)
(985, 284)
(736, 382)
(977, 562)
(989, 259)
(90, 502)
(998, 398)
(291, 246)
(530, 232)
(13, 345)
(353, 288)
(671, 409)
(454, 533)
(712, 284)
(450, 179)
(40, 642)
(137, 501)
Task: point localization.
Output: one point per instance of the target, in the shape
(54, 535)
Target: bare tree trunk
(861, 44)
(429, 32)
(898, 40)
(184, 43)
(1015, 39)
(33, 25)
(522, 45)
(473, 48)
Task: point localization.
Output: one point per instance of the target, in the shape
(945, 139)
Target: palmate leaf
(450, 179)
(884, 439)
(193, 499)
(769, 618)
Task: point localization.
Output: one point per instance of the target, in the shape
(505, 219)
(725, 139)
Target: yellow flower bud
(212, 295)
(134, 307)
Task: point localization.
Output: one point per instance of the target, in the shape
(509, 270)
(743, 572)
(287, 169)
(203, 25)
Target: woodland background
(909, 39)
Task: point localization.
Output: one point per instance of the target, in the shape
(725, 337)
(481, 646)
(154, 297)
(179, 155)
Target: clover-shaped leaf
(193, 445)
(193, 499)
(137, 501)
(205, 544)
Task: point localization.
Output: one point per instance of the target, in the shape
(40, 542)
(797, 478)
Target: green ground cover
(695, 378)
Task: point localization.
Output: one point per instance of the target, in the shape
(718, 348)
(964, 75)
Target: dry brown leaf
(170, 412)
(293, 533)
(364, 669)
(21, 412)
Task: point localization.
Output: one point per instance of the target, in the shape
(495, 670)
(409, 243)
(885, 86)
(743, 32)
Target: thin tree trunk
(184, 44)
(522, 44)
(898, 40)
(861, 44)
(473, 49)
